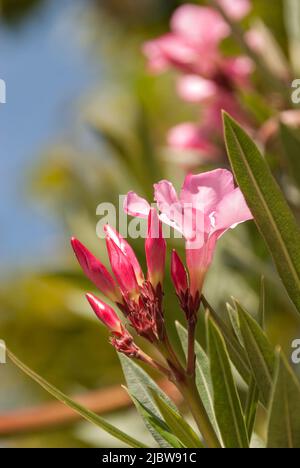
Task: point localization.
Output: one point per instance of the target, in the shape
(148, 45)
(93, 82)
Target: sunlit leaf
(251, 406)
(157, 424)
(181, 429)
(260, 352)
(84, 412)
(227, 404)
(139, 385)
(236, 351)
(268, 205)
(284, 410)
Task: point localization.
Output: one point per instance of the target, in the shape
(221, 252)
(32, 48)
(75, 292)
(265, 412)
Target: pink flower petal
(206, 190)
(239, 69)
(193, 88)
(231, 211)
(134, 205)
(170, 50)
(168, 203)
(201, 25)
(189, 136)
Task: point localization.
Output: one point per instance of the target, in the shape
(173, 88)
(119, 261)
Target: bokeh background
(84, 122)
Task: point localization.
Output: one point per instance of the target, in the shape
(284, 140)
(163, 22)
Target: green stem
(190, 393)
(191, 358)
(186, 384)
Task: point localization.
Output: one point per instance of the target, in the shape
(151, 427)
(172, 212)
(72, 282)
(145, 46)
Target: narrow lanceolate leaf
(291, 147)
(284, 410)
(267, 204)
(158, 425)
(139, 385)
(177, 424)
(203, 377)
(251, 406)
(227, 404)
(260, 353)
(234, 320)
(84, 412)
(236, 351)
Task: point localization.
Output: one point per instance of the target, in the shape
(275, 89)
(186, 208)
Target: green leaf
(139, 385)
(159, 426)
(260, 352)
(291, 147)
(181, 429)
(284, 410)
(234, 320)
(236, 351)
(253, 391)
(267, 204)
(203, 377)
(227, 404)
(251, 406)
(84, 412)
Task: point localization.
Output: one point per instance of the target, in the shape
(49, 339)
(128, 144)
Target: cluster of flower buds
(139, 298)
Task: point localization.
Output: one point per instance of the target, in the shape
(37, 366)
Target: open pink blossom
(208, 205)
(192, 44)
(207, 77)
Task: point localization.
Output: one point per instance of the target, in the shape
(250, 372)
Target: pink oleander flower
(208, 205)
(138, 298)
(190, 136)
(207, 77)
(192, 44)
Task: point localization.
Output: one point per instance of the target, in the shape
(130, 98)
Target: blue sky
(45, 71)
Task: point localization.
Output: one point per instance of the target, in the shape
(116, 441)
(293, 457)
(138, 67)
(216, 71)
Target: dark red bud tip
(179, 274)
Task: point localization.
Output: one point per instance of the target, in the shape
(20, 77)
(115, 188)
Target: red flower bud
(122, 269)
(106, 314)
(96, 271)
(127, 250)
(155, 248)
(179, 274)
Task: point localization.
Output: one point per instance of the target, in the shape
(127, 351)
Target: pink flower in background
(190, 136)
(192, 44)
(208, 205)
(207, 77)
(236, 9)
